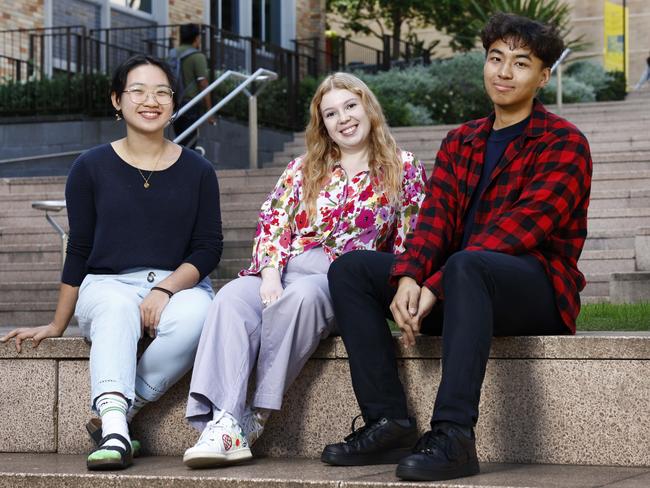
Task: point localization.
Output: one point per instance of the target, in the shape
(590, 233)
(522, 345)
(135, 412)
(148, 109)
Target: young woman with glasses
(145, 232)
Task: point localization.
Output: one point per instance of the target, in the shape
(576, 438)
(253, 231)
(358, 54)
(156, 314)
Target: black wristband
(164, 290)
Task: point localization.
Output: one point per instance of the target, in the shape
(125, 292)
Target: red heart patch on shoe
(227, 441)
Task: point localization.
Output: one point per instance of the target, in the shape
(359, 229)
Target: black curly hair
(517, 31)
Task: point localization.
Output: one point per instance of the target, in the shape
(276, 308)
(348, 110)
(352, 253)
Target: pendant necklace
(145, 178)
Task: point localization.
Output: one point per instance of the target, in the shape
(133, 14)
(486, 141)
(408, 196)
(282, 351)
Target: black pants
(183, 122)
(486, 294)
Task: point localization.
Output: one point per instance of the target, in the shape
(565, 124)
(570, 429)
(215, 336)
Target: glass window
(228, 10)
(141, 5)
(264, 27)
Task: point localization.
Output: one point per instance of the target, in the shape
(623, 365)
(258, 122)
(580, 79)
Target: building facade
(278, 22)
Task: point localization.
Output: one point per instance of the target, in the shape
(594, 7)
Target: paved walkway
(56, 470)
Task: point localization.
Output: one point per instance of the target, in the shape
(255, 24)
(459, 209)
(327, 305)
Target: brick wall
(310, 19)
(17, 14)
(21, 14)
(183, 11)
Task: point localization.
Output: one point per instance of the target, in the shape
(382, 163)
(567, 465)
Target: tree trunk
(396, 15)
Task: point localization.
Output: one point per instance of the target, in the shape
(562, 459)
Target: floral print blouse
(351, 213)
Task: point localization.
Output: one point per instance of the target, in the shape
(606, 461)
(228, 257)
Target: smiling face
(512, 75)
(345, 119)
(150, 115)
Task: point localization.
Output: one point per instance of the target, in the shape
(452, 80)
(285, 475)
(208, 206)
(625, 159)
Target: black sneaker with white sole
(384, 441)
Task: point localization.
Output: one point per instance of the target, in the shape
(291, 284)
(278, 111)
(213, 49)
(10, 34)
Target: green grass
(605, 316)
(609, 316)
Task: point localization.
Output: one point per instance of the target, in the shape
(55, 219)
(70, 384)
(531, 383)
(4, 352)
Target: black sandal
(111, 462)
(94, 429)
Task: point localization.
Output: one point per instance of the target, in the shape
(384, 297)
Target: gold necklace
(146, 179)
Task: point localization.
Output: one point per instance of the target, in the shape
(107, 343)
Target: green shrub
(447, 91)
(56, 95)
(573, 91)
(616, 88)
(608, 85)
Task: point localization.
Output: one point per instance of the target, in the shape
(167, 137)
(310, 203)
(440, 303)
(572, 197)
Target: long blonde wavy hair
(384, 161)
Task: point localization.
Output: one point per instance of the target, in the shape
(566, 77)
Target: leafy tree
(373, 17)
(464, 19)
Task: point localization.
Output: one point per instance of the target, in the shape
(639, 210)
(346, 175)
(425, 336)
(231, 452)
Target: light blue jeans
(109, 317)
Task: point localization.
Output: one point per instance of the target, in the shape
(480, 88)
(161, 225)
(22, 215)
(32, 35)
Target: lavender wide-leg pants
(239, 331)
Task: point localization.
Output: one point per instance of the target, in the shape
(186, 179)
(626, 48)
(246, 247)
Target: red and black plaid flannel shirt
(536, 203)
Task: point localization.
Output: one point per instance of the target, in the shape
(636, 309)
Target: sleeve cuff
(434, 283)
(205, 262)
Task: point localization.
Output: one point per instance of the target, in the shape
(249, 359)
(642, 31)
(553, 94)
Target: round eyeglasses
(163, 96)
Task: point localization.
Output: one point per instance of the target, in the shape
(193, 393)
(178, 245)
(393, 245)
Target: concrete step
(26, 314)
(38, 184)
(30, 253)
(60, 470)
(623, 198)
(38, 271)
(616, 260)
(597, 285)
(621, 218)
(599, 381)
(587, 299)
(230, 268)
(610, 239)
(48, 291)
(24, 200)
(28, 235)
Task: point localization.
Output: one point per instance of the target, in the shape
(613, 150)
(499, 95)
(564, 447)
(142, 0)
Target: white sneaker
(253, 423)
(221, 442)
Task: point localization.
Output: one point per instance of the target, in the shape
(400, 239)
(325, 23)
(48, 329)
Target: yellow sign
(616, 33)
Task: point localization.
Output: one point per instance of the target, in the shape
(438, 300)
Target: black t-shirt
(497, 143)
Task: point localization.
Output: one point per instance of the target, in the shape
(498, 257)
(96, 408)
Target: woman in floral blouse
(353, 189)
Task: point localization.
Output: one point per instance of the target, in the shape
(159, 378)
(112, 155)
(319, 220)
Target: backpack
(175, 62)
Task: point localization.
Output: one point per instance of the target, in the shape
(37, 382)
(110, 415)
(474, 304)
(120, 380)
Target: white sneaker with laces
(221, 442)
(253, 423)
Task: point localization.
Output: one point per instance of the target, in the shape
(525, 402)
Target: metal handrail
(54, 206)
(557, 66)
(263, 75)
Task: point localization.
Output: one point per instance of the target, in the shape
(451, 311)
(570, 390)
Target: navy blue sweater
(116, 224)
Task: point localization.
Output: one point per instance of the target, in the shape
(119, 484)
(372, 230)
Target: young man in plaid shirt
(494, 252)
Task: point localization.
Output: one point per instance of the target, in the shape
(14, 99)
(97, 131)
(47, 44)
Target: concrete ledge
(556, 399)
(583, 345)
(631, 287)
(61, 471)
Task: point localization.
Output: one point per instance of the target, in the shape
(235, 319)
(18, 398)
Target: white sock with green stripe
(112, 409)
(136, 406)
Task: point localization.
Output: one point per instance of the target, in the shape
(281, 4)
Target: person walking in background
(645, 76)
(353, 189)
(494, 252)
(192, 74)
(145, 232)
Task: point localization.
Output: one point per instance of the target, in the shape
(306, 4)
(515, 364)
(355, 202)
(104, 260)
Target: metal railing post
(252, 132)
(559, 89)
(558, 66)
